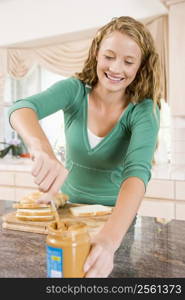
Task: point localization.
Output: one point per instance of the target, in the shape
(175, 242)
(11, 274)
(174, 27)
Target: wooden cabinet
(180, 200)
(24, 179)
(161, 208)
(7, 193)
(159, 200)
(7, 178)
(164, 199)
(180, 210)
(16, 184)
(180, 190)
(163, 189)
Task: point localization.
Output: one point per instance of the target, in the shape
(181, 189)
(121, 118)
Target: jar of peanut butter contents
(68, 245)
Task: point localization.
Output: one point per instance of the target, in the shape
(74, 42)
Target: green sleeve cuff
(18, 105)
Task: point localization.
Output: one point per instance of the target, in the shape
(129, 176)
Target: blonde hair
(147, 83)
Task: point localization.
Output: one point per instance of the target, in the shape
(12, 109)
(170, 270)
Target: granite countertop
(149, 249)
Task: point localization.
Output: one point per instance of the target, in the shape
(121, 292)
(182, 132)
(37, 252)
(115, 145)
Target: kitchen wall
(176, 79)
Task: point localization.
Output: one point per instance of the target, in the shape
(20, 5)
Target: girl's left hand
(100, 261)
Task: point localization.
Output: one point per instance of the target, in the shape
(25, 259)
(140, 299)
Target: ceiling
(27, 20)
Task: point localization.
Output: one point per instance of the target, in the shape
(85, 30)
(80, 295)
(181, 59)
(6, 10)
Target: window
(54, 122)
(37, 80)
(17, 89)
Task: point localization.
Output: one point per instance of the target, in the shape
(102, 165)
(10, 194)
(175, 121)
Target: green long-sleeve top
(96, 174)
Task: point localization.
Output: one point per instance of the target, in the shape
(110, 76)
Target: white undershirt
(93, 139)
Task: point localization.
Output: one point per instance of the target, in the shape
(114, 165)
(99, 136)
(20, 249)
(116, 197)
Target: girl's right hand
(49, 173)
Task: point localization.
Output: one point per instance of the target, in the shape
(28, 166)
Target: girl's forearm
(128, 202)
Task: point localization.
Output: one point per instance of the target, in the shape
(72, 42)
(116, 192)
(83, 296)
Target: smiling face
(118, 61)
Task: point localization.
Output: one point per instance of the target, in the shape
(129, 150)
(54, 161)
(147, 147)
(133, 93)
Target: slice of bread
(35, 218)
(30, 205)
(35, 214)
(90, 210)
(44, 211)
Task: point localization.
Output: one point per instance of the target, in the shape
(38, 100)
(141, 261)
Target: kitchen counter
(149, 249)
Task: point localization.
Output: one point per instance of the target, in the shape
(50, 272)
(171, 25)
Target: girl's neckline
(107, 136)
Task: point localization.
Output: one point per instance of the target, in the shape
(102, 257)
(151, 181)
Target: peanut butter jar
(68, 245)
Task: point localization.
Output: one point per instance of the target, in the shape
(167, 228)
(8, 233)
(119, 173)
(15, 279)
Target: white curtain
(3, 71)
(158, 27)
(67, 57)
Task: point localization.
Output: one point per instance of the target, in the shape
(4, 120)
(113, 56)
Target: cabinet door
(180, 190)
(157, 208)
(6, 178)
(7, 193)
(160, 189)
(24, 179)
(180, 210)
